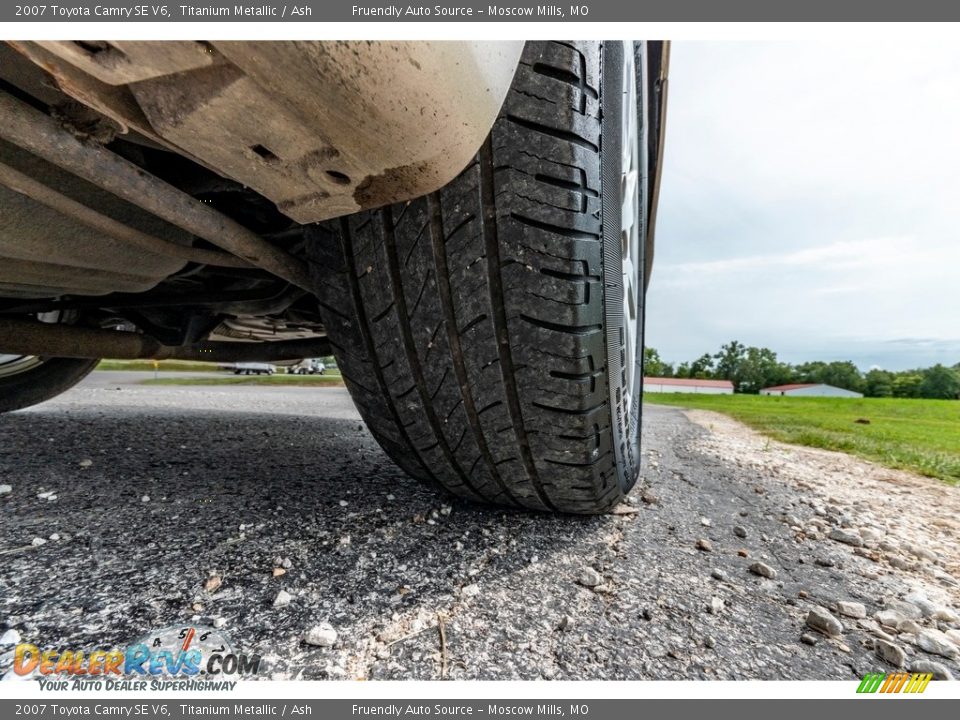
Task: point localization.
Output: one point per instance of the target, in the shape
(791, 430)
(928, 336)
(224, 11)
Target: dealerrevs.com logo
(181, 658)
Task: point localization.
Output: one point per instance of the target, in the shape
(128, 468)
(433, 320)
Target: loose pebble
(589, 577)
(846, 537)
(937, 643)
(322, 635)
(822, 621)
(851, 609)
(888, 652)
(763, 570)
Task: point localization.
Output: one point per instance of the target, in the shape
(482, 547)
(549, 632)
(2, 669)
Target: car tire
(481, 329)
(40, 382)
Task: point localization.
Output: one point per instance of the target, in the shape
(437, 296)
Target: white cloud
(809, 201)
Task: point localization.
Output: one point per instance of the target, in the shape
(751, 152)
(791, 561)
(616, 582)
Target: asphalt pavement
(270, 511)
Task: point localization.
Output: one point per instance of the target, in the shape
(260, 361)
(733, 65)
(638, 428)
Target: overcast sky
(811, 203)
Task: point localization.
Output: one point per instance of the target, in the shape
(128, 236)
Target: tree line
(751, 369)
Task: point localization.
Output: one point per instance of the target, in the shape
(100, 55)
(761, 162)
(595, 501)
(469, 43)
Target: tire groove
(456, 349)
(346, 247)
(565, 135)
(488, 222)
(556, 229)
(410, 348)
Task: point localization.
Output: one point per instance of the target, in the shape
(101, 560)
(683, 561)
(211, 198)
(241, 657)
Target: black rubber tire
(46, 381)
(478, 328)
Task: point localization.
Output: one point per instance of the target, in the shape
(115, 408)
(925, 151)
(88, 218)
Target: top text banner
(510, 11)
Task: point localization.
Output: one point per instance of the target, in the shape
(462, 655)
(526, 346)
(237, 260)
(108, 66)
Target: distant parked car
(309, 366)
(254, 368)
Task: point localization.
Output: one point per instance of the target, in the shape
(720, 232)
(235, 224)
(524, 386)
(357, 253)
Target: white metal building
(687, 385)
(810, 390)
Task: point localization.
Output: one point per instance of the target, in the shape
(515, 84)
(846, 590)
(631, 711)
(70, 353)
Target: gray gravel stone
(946, 615)
(821, 620)
(882, 635)
(5, 489)
(889, 618)
(283, 599)
(888, 652)
(934, 641)
(704, 545)
(809, 639)
(847, 537)
(870, 536)
(322, 635)
(900, 564)
(938, 670)
(10, 637)
(589, 577)
(851, 609)
(911, 627)
(920, 552)
(907, 609)
(926, 607)
(763, 570)
(740, 531)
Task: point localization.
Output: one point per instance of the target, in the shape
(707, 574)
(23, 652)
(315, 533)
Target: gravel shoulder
(712, 570)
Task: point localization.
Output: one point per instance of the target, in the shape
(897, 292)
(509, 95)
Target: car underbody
(165, 187)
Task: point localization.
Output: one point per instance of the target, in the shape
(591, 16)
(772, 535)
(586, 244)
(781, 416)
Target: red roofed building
(687, 385)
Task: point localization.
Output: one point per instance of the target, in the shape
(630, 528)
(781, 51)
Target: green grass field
(327, 379)
(168, 365)
(918, 435)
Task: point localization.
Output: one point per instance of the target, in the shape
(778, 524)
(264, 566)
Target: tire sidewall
(625, 427)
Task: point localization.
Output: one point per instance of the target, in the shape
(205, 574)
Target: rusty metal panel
(321, 128)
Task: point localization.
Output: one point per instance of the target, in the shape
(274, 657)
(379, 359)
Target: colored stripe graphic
(898, 682)
(920, 683)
